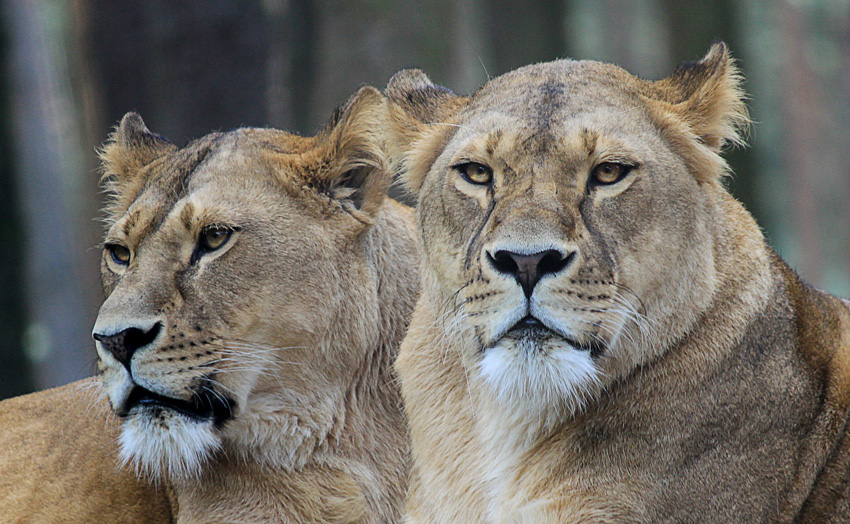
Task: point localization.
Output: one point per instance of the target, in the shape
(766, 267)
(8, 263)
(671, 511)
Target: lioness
(603, 334)
(258, 284)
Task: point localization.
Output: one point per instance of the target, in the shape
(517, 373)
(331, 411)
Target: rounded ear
(710, 97)
(354, 170)
(131, 147)
(420, 119)
(702, 107)
(422, 100)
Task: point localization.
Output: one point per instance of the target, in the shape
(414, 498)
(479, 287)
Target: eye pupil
(213, 238)
(120, 254)
(474, 173)
(608, 173)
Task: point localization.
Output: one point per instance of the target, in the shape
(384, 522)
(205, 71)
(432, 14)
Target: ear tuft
(357, 174)
(130, 148)
(424, 100)
(701, 109)
(708, 95)
(414, 105)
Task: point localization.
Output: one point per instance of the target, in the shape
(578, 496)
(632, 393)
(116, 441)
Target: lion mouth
(205, 405)
(531, 328)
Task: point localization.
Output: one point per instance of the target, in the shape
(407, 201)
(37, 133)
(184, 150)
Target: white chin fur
(167, 446)
(554, 382)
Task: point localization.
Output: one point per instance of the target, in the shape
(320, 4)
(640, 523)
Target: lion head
(566, 231)
(603, 333)
(257, 284)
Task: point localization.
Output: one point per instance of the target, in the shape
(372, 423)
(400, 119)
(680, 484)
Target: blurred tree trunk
(632, 35)
(842, 254)
(49, 174)
(15, 373)
(800, 110)
(522, 33)
(290, 72)
(359, 43)
(471, 60)
(187, 67)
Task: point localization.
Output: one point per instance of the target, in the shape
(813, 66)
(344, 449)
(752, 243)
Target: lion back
(63, 441)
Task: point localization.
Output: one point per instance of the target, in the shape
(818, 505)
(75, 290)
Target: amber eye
(213, 238)
(474, 173)
(120, 254)
(608, 173)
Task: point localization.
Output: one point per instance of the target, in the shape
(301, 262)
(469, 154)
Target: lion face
(563, 227)
(228, 267)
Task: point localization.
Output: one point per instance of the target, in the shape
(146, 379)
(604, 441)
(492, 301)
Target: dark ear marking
(708, 95)
(412, 143)
(133, 133)
(131, 147)
(356, 174)
(424, 100)
(689, 76)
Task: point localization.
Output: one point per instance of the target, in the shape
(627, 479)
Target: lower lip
(147, 399)
(533, 327)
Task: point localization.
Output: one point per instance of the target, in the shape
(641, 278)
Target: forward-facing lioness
(603, 334)
(258, 284)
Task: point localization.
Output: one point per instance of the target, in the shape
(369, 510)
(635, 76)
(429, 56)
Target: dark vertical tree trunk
(356, 44)
(15, 373)
(187, 67)
(292, 40)
(842, 254)
(802, 102)
(59, 318)
(301, 28)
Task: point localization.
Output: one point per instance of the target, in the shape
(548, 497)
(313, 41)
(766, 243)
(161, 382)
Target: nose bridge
(139, 297)
(534, 220)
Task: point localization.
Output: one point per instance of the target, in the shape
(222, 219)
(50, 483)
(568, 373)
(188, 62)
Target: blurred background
(70, 69)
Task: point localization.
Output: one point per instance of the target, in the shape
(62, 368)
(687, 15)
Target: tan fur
(682, 372)
(59, 462)
(289, 328)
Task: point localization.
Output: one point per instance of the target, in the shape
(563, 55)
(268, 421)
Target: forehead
(560, 98)
(224, 172)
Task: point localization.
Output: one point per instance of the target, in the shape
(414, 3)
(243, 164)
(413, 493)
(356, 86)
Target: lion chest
(551, 481)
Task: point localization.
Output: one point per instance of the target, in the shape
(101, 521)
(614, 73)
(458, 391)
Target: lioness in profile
(604, 335)
(258, 284)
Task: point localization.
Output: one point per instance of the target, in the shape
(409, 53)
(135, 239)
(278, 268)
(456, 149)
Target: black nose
(528, 269)
(122, 345)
